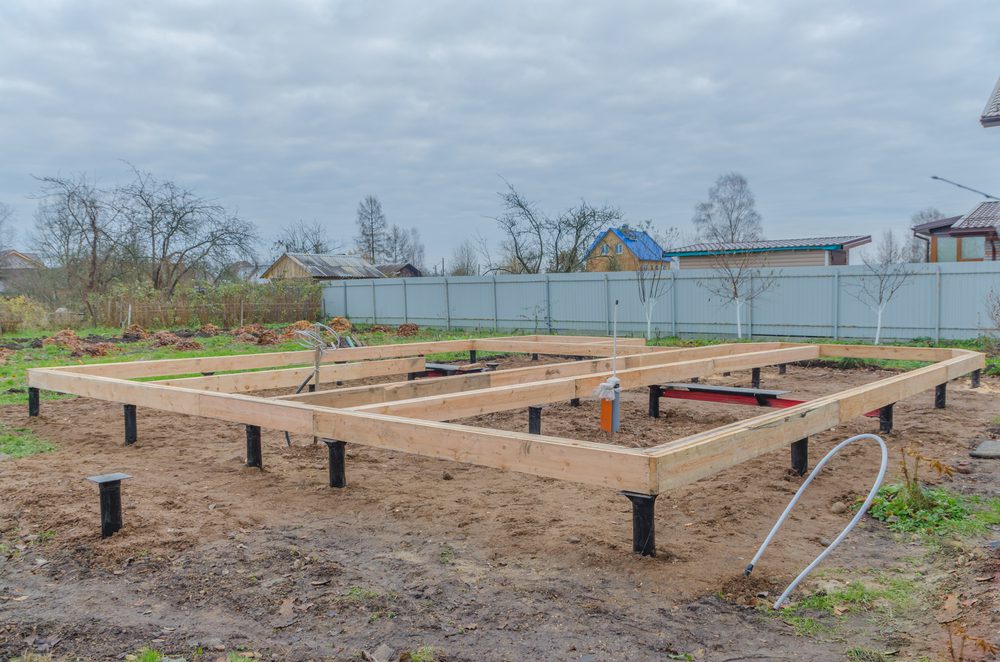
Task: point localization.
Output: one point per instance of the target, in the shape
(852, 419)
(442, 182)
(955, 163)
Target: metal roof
(936, 224)
(639, 242)
(991, 114)
(333, 266)
(766, 245)
(985, 215)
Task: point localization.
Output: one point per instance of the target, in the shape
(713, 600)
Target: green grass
(21, 442)
(148, 655)
(944, 512)
(423, 654)
(862, 654)
(359, 593)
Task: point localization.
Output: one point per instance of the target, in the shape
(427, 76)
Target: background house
(808, 252)
(968, 238)
(991, 114)
(15, 264)
(399, 270)
(624, 249)
(321, 267)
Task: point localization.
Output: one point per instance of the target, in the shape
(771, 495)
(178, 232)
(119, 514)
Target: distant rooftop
(333, 266)
(991, 114)
(765, 245)
(985, 215)
(639, 242)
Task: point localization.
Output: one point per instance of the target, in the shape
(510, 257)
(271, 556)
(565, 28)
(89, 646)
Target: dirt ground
(476, 563)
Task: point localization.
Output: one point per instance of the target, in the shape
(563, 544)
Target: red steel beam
(737, 399)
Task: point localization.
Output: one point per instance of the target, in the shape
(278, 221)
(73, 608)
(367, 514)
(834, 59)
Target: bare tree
(372, 229)
(78, 229)
(916, 248)
(6, 224)
(415, 254)
(173, 233)
(653, 283)
(534, 241)
(464, 260)
(737, 280)
(730, 214)
(303, 237)
(885, 274)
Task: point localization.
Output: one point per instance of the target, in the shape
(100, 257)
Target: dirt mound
(288, 333)
(256, 334)
(5, 353)
(134, 332)
(165, 339)
(186, 345)
(94, 349)
(67, 339)
(340, 324)
(750, 591)
(407, 330)
(208, 331)
(380, 328)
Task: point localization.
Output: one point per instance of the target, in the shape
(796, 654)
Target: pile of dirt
(94, 349)
(380, 328)
(340, 324)
(208, 331)
(750, 591)
(165, 339)
(186, 345)
(5, 354)
(134, 332)
(288, 333)
(407, 330)
(255, 334)
(67, 339)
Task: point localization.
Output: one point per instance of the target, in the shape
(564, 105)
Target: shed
(321, 267)
(399, 270)
(972, 237)
(808, 252)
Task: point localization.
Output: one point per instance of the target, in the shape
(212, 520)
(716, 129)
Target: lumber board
(514, 396)
(562, 349)
(241, 382)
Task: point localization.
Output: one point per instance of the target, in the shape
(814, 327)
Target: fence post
(836, 305)
(241, 313)
(406, 305)
(345, 298)
(374, 312)
(447, 302)
(607, 306)
(673, 302)
(495, 314)
(750, 310)
(548, 303)
(937, 304)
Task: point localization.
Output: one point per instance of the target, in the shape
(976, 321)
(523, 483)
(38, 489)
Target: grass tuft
(940, 512)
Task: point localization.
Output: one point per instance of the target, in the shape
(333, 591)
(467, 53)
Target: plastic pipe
(843, 534)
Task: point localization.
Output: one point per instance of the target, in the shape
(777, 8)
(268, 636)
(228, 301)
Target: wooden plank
(164, 367)
(514, 396)
(562, 349)
(885, 352)
(242, 382)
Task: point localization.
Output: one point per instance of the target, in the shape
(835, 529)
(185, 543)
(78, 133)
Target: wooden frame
(411, 416)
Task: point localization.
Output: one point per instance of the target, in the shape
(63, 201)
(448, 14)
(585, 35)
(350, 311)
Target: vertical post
(750, 310)
(131, 425)
(374, 309)
(782, 368)
(345, 301)
(472, 356)
(800, 456)
(534, 357)
(937, 304)
(254, 456)
(548, 303)
(338, 452)
(885, 419)
(654, 401)
(496, 326)
(976, 378)
(673, 300)
(607, 306)
(535, 420)
(34, 401)
(755, 378)
(110, 486)
(447, 302)
(940, 395)
(836, 305)
(574, 402)
(406, 305)
(643, 524)
(410, 376)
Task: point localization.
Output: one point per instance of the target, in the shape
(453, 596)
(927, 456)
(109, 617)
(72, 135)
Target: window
(947, 249)
(604, 249)
(619, 248)
(973, 248)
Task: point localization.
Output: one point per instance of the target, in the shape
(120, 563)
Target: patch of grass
(423, 654)
(239, 657)
(21, 442)
(146, 655)
(940, 512)
(446, 556)
(28, 656)
(805, 626)
(862, 654)
(359, 593)
(857, 597)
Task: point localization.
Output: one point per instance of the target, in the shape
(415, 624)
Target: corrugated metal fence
(939, 301)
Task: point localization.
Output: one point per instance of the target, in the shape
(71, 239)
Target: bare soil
(478, 564)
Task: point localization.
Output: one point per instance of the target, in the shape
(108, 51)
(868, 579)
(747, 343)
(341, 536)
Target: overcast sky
(836, 112)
